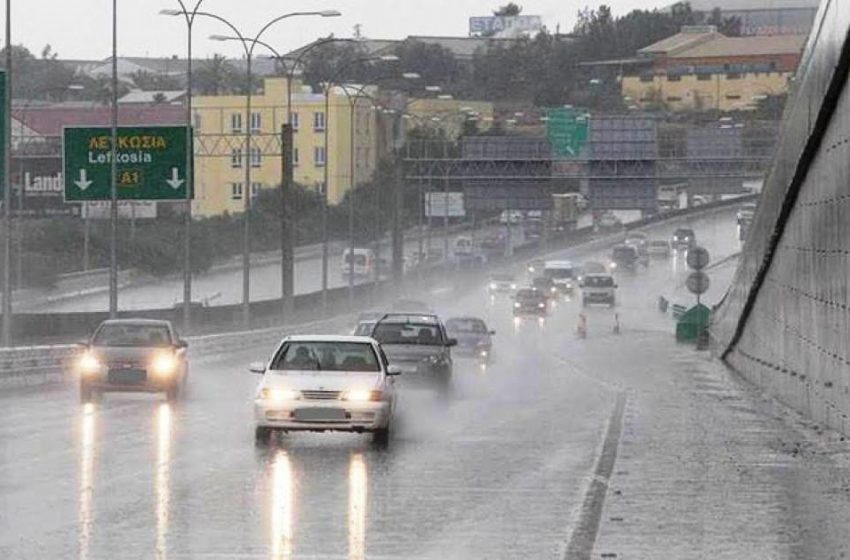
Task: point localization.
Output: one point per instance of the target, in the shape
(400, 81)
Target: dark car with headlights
(474, 339)
(684, 238)
(531, 301)
(419, 345)
(133, 355)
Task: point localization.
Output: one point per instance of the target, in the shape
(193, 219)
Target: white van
(598, 288)
(562, 273)
(364, 263)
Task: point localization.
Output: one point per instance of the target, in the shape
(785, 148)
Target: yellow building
(699, 92)
(701, 69)
(220, 154)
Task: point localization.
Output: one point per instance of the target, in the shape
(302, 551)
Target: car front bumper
(148, 383)
(322, 416)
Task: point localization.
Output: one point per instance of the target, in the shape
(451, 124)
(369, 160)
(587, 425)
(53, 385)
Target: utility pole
(287, 259)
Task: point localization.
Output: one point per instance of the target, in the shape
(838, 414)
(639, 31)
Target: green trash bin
(692, 323)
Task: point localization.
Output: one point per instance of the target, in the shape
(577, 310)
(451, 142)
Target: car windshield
(598, 281)
(326, 356)
(408, 333)
(466, 326)
(529, 295)
(659, 244)
(359, 259)
(126, 334)
(503, 278)
(558, 273)
(624, 253)
(684, 233)
(365, 328)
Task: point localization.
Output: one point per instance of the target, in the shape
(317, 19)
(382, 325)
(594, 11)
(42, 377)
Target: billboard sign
(504, 26)
(440, 205)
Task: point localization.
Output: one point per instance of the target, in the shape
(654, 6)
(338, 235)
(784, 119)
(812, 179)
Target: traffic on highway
(424, 281)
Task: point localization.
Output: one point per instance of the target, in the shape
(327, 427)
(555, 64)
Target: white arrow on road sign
(175, 180)
(83, 181)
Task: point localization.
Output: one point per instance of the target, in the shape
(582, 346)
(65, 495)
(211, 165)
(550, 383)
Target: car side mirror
(451, 342)
(392, 371)
(616, 285)
(257, 367)
(182, 344)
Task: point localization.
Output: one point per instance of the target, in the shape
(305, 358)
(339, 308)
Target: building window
(733, 76)
(256, 122)
(236, 191)
(293, 118)
(196, 122)
(704, 77)
(296, 159)
(255, 189)
(319, 156)
(733, 96)
(318, 122)
(647, 78)
(236, 123)
(256, 157)
(674, 78)
(673, 99)
(236, 158)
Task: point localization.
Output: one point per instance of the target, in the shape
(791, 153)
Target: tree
(216, 76)
(148, 81)
(509, 9)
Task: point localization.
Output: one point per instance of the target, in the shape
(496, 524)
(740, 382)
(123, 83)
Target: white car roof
(558, 264)
(329, 338)
(599, 274)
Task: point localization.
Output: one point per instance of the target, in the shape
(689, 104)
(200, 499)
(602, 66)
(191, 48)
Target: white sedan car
(326, 383)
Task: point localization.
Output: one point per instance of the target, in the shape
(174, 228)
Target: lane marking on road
(583, 538)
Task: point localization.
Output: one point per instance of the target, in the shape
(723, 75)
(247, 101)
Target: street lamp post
(249, 44)
(190, 171)
(7, 187)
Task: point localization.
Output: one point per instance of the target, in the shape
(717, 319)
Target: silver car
(133, 355)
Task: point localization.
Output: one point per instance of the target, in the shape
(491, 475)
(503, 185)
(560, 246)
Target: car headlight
(613, 265)
(164, 364)
(362, 395)
(493, 285)
(88, 363)
(513, 286)
(483, 353)
(279, 395)
(541, 305)
(531, 269)
(517, 305)
(553, 289)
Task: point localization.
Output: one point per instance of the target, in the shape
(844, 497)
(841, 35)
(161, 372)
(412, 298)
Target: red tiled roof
(49, 121)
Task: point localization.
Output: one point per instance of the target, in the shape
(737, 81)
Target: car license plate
(127, 376)
(320, 415)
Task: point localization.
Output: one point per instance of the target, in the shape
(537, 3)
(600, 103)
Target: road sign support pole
(246, 218)
(351, 191)
(7, 184)
(287, 261)
(398, 234)
(326, 186)
(190, 178)
(113, 186)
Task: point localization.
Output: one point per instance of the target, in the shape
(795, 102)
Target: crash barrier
(36, 362)
(783, 323)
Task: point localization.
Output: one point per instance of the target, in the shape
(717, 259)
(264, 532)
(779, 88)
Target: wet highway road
(498, 471)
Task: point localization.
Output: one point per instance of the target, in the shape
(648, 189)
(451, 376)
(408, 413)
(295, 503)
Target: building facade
(220, 155)
(701, 69)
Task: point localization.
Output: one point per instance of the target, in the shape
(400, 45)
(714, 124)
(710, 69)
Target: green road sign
(567, 129)
(151, 162)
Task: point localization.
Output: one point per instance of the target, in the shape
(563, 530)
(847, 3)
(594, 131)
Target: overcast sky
(82, 28)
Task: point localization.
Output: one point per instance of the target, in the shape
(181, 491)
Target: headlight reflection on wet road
(162, 482)
(87, 451)
(283, 506)
(357, 494)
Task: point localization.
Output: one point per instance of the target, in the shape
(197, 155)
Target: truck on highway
(566, 208)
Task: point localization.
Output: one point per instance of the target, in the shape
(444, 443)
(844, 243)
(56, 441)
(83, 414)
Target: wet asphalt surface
(499, 470)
